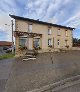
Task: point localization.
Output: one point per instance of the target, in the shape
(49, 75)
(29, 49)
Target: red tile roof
(5, 43)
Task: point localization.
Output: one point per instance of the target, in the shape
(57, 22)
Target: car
(9, 50)
(5, 48)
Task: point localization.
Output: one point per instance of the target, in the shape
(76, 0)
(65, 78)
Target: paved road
(2, 52)
(32, 74)
(74, 88)
(5, 68)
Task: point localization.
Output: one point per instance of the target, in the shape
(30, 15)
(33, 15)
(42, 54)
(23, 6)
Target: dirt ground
(46, 69)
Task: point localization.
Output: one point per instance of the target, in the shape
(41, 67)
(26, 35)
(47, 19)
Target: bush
(22, 47)
(38, 48)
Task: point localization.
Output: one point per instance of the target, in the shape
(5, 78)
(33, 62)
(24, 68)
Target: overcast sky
(63, 12)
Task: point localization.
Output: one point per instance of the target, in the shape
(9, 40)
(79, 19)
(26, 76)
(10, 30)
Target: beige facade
(59, 37)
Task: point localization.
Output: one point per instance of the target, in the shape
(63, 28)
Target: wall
(43, 29)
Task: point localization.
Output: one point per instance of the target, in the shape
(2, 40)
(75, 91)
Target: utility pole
(12, 37)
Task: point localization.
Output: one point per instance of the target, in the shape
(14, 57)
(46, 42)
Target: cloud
(74, 21)
(47, 9)
(5, 30)
(55, 11)
(5, 34)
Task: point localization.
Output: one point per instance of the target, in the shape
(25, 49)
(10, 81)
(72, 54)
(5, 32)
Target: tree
(76, 42)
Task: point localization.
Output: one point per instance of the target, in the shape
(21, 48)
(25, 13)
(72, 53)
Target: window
(22, 41)
(30, 28)
(36, 42)
(58, 32)
(66, 33)
(58, 42)
(49, 42)
(49, 31)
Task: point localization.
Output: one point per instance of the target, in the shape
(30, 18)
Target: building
(5, 44)
(43, 36)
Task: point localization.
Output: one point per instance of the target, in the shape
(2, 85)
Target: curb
(59, 85)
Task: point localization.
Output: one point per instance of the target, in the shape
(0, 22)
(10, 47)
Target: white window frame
(49, 42)
(30, 28)
(49, 31)
(58, 43)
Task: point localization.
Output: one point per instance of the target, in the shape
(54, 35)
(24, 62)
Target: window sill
(58, 35)
(49, 34)
(50, 46)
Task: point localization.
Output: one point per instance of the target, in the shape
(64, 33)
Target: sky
(62, 12)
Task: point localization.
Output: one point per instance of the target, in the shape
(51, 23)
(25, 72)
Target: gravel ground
(46, 69)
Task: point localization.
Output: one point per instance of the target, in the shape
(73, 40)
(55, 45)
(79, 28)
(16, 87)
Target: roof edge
(40, 22)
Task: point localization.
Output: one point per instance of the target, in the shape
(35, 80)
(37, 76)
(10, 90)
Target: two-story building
(43, 36)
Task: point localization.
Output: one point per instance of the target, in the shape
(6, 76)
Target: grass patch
(6, 56)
